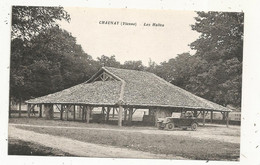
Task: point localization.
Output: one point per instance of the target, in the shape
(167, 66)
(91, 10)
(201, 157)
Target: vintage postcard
(137, 84)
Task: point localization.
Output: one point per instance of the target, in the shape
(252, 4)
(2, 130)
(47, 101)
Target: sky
(132, 42)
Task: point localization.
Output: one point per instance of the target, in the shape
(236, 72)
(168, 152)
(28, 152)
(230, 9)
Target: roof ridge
(126, 69)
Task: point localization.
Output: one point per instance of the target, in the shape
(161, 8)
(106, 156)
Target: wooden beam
(83, 113)
(125, 114)
(40, 113)
(134, 111)
(79, 110)
(20, 107)
(120, 113)
(58, 107)
(103, 110)
(74, 112)
(67, 112)
(29, 110)
(130, 116)
(88, 113)
(227, 119)
(116, 110)
(61, 112)
(108, 111)
(203, 115)
(211, 116)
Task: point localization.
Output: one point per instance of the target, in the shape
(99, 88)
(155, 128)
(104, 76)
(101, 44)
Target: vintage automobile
(169, 123)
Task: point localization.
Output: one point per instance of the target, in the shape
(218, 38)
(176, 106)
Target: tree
(134, 65)
(56, 62)
(221, 35)
(178, 70)
(215, 71)
(52, 62)
(28, 21)
(221, 46)
(108, 61)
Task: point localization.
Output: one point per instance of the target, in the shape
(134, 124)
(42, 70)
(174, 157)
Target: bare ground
(79, 148)
(213, 132)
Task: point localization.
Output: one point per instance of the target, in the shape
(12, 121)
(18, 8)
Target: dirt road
(220, 133)
(79, 148)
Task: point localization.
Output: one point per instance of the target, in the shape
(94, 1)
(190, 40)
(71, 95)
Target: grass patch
(57, 122)
(177, 145)
(19, 147)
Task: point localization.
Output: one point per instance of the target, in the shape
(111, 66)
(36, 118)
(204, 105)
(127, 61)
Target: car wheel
(170, 126)
(194, 126)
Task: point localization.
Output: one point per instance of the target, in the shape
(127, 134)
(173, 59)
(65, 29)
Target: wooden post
(113, 112)
(85, 118)
(29, 109)
(120, 113)
(61, 112)
(107, 116)
(88, 113)
(67, 112)
(51, 112)
(83, 112)
(74, 112)
(227, 119)
(103, 110)
(40, 115)
(20, 107)
(79, 107)
(125, 115)
(130, 115)
(211, 116)
(203, 117)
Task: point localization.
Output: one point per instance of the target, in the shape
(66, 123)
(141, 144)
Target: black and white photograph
(125, 83)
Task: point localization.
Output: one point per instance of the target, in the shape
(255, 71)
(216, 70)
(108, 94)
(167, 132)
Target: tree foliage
(221, 35)
(28, 21)
(221, 45)
(134, 65)
(53, 61)
(215, 71)
(108, 61)
(46, 59)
